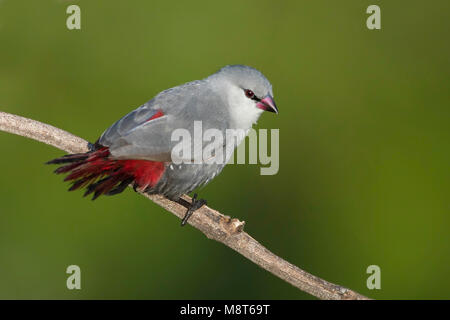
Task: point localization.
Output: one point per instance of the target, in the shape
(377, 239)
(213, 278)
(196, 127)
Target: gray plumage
(218, 101)
(232, 98)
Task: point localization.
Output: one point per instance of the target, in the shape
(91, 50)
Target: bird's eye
(249, 94)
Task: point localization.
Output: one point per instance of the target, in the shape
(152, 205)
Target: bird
(137, 149)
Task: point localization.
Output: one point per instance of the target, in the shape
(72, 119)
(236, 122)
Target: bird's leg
(91, 146)
(192, 207)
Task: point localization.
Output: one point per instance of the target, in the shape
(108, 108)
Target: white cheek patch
(244, 112)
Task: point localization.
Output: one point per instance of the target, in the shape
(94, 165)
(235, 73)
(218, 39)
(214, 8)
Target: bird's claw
(195, 205)
(91, 146)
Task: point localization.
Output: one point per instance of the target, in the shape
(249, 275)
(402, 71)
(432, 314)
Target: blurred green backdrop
(364, 147)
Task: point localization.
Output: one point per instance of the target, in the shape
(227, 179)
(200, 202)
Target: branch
(212, 223)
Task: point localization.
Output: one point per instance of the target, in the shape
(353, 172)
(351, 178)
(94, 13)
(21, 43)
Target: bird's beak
(267, 104)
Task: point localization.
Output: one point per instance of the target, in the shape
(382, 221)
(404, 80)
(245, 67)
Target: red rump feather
(104, 175)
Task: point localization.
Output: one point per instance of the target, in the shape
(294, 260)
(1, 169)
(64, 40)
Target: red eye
(249, 94)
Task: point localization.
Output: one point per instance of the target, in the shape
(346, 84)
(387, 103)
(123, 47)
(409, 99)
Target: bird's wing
(146, 133)
(135, 118)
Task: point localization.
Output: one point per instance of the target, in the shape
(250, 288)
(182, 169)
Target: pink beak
(267, 104)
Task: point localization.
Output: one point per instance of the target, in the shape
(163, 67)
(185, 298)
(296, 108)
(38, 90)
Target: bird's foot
(91, 146)
(193, 206)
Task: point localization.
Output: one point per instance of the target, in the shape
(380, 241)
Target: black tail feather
(121, 187)
(96, 171)
(94, 186)
(69, 158)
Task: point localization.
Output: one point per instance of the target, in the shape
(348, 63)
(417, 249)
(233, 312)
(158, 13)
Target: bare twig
(209, 221)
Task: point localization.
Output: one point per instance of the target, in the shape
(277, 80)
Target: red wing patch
(158, 114)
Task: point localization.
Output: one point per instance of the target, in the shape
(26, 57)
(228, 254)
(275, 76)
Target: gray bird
(138, 149)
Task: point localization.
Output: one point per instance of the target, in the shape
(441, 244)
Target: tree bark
(212, 223)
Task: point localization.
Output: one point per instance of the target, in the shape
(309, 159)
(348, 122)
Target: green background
(364, 147)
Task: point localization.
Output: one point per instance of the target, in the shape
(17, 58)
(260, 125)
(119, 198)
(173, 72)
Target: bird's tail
(101, 174)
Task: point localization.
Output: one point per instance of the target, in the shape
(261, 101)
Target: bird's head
(247, 92)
